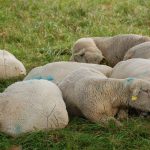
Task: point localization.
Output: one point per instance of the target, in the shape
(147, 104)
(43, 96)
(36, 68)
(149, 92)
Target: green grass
(42, 31)
(82, 134)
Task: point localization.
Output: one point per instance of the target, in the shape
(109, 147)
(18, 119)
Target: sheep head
(140, 95)
(88, 55)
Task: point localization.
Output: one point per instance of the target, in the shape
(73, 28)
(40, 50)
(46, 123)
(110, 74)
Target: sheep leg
(122, 114)
(104, 119)
(101, 118)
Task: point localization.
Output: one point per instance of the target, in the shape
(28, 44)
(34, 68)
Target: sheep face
(20, 68)
(17, 68)
(140, 98)
(88, 56)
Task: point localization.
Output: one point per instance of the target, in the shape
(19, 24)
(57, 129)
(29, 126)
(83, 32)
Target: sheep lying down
(57, 71)
(32, 105)
(136, 68)
(89, 94)
(113, 49)
(10, 66)
(139, 51)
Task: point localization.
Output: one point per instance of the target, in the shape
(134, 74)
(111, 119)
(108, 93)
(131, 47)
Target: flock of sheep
(86, 88)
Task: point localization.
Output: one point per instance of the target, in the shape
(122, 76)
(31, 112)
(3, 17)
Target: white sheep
(139, 51)
(10, 66)
(113, 49)
(32, 105)
(86, 51)
(133, 68)
(98, 98)
(57, 71)
(136, 68)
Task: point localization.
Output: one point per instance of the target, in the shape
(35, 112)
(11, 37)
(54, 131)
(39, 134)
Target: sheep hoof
(107, 120)
(122, 115)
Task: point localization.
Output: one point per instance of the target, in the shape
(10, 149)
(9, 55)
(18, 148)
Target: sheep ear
(136, 91)
(81, 53)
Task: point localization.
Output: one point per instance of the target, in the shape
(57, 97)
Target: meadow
(42, 31)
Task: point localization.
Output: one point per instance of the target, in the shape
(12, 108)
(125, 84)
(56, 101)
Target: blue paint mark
(18, 129)
(129, 80)
(49, 78)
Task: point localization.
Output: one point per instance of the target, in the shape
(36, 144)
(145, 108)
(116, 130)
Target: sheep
(113, 49)
(10, 67)
(56, 71)
(32, 105)
(139, 51)
(133, 68)
(86, 51)
(88, 94)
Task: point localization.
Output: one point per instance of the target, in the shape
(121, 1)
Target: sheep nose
(103, 61)
(23, 72)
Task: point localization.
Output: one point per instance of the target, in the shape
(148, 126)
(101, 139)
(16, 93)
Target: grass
(82, 134)
(43, 31)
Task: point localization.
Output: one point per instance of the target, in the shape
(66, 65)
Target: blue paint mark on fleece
(129, 80)
(49, 78)
(18, 129)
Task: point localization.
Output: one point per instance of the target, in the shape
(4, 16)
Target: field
(42, 31)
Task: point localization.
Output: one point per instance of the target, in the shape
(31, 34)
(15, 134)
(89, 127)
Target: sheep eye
(82, 54)
(147, 91)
